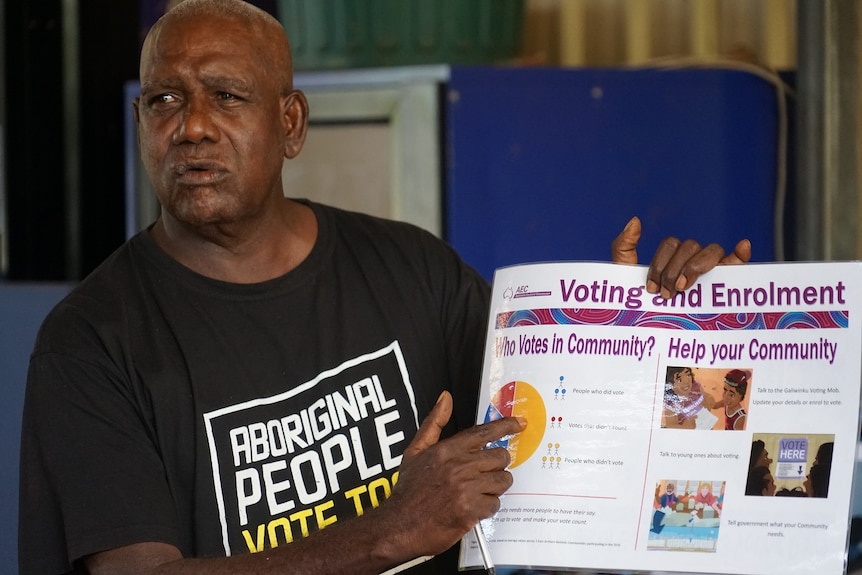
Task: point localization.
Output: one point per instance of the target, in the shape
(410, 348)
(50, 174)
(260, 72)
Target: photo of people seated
(686, 515)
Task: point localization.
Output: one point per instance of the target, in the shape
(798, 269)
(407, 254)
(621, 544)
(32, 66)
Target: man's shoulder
(367, 234)
(108, 280)
(348, 221)
(400, 252)
(98, 299)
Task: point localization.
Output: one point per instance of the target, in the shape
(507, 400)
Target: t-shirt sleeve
(91, 475)
(453, 299)
(464, 315)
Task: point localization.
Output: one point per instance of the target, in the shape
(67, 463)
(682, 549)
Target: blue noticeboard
(23, 306)
(550, 164)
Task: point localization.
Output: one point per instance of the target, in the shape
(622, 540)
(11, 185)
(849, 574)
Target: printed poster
(712, 433)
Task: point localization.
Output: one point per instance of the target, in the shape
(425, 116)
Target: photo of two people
(706, 399)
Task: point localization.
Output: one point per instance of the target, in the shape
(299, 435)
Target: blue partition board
(549, 163)
(22, 309)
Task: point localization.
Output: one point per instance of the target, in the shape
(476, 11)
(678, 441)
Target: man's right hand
(445, 487)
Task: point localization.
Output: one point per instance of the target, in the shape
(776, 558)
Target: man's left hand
(676, 265)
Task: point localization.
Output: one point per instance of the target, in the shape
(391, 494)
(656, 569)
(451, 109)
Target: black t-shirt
(223, 418)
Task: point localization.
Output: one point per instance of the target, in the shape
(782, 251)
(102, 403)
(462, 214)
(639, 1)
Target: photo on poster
(686, 515)
(790, 465)
(706, 398)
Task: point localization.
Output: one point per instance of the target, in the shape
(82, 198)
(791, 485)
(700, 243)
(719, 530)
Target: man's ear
(294, 119)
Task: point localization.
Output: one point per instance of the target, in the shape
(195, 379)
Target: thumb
(624, 246)
(432, 426)
(741, 254)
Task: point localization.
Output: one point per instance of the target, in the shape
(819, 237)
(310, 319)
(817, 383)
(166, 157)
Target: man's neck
(245, 254)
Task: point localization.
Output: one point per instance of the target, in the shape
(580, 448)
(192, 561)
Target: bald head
(217, 115)
(264, 31)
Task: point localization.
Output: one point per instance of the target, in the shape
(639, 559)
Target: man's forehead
(205, 29)
(216, 44)
(197, 41)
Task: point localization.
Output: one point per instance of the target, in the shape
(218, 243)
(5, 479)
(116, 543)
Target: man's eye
(227, 96)
(162, 99)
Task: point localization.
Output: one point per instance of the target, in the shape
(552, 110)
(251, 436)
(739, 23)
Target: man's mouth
(199, 172)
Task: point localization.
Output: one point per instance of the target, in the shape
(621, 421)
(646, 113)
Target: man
(247, 377)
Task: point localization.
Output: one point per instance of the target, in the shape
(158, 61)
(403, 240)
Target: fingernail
(652, 287)
(680, 283)
(440, 397)
(522, 421)
(665, 293)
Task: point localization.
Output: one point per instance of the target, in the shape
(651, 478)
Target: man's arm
(444, 488)
(676, 265)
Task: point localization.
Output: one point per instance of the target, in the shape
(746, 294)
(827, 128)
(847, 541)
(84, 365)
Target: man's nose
(197, 123)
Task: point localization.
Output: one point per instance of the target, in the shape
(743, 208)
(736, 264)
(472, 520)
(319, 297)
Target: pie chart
(519, 399)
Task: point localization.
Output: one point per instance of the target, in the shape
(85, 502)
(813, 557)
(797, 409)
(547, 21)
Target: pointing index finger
(479, 436)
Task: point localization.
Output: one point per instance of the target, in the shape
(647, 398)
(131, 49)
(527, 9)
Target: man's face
(210, 126)
(731, 396)
(763, 459)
